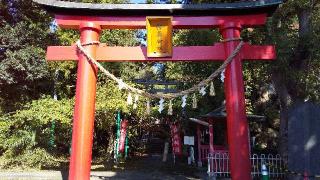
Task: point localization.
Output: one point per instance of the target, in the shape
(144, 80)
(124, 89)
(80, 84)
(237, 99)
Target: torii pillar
(89, 19)
(83, 123)
(237, 125)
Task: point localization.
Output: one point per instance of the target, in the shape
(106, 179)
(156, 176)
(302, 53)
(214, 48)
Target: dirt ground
(149, 168)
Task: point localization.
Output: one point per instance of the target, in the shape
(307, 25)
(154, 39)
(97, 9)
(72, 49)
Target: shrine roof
(220, 114)
(104, 9)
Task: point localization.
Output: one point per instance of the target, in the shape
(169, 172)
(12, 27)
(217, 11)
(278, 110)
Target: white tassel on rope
(148, 107)
(194, 102)
(121, 84)
(170, 110)
(212, 90)
(136, 99)
(144, 93)
(129, 99)
(222, 75)
(161, 105)
(184, 101)
(202, 91)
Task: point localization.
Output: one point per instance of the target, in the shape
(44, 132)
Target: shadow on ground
(138, 168)
(150, 168)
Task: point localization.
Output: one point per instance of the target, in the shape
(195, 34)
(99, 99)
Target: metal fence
(219, 166)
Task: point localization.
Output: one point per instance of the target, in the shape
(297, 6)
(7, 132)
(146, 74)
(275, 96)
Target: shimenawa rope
(159, 96)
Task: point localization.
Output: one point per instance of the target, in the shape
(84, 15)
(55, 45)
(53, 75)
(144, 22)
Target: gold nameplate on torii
(159, 36)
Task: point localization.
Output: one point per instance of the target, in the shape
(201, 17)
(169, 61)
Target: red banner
(176, 139)
(123, 133)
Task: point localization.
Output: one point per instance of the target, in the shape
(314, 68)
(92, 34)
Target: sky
(138, 1)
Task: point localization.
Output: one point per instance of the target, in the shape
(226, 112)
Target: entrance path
(146, 168)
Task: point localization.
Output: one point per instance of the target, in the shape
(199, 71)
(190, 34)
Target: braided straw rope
(159, 96)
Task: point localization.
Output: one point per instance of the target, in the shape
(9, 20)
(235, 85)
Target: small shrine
(212, 133)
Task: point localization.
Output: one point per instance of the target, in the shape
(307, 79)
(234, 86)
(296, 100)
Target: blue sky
(138, 1)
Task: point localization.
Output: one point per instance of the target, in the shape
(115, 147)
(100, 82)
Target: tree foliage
(24, 34)
(28, 130)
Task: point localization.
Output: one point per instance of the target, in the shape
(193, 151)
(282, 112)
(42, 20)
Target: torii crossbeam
(89, 19)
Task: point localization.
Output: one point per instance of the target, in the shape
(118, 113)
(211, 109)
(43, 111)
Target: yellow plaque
(159, 36)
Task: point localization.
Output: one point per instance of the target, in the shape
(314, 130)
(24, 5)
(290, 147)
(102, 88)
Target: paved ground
(150, 168)
(96, 175)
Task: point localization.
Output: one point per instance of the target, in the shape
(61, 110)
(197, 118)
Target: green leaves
(21, 66)
(25, 134)
(24, 34)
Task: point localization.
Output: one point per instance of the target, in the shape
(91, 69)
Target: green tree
(294, 74)
(24, 33)
(26, 77)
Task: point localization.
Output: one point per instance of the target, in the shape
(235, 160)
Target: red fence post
(82, 132)
(237, 125)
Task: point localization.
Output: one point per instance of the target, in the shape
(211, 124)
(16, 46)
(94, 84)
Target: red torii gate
(89, 19)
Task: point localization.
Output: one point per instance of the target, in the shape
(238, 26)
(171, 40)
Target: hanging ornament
(121, 84)
(222, 75)
(202, 91)
(161, 105)
(212, 90)
(184, 101)
(194, 101)
(129, 99)
(148, 107)
(170, 110)
(135, 104)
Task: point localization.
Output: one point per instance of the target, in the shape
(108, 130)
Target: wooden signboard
(159, 36)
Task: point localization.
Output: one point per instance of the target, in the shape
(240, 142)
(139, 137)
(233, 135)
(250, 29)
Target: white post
(165, 152)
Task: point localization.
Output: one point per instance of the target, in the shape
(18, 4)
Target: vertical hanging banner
(123, 134)
(116, 148)
(176, 139)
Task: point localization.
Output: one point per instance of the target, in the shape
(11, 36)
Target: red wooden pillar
(211, 149)
(199, 145)
(82, 132)
(237, 125)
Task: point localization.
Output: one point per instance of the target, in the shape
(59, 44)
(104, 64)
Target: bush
(25, 135)
(27, 138)
(36, 158)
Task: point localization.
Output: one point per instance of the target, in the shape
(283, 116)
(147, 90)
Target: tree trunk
(110, 147)
(285, 101)
(302, 54)
(289, 91)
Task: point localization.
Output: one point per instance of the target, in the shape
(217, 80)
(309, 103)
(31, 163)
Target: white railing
(219, 166)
